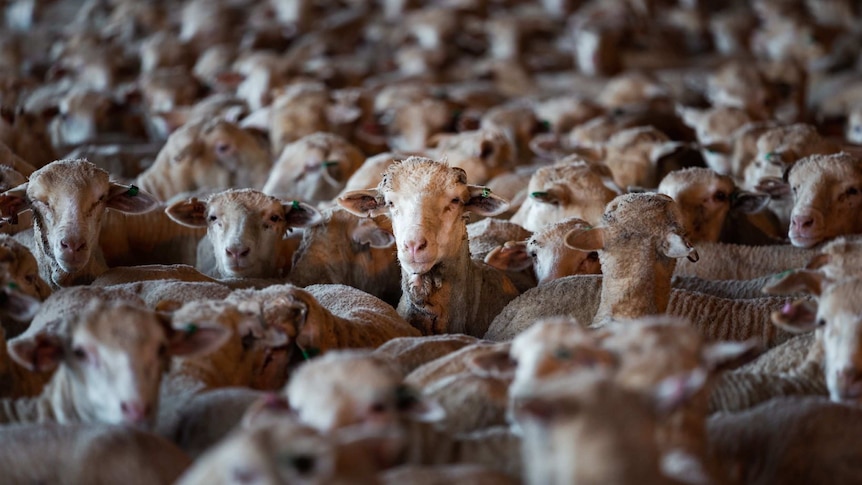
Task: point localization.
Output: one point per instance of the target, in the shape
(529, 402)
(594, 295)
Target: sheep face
(245, 228)
(426, 201)
(563, 191)
(212, 154)
(20, 270)
(68, 199)
(483, 154)
(112, 361)
(314, 168)
(552, 259)
(82, 114)
(838, 319)
(827, 195)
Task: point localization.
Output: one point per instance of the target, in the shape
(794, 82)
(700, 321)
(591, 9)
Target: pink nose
(134, 412)
(237, 252)
(73, 244)
(416, 246)
(805, 223)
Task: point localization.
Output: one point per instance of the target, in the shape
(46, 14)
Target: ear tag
(133, 191)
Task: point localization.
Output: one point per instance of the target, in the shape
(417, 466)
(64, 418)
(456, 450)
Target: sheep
(638, 243)
(211, 154)
(313, 168)
(777, 150)
(320, 318)
(570, 188)
(108, 366)
(443, 290)
(714, 208)
(246, 232)
(77, 453)
(544, 252)
(482, 154)
(345, 249)
(824, 185)
(409, 353)
(579, 297)
(715, 126)
(763, 445)
(299, 111)
(69, 199)
(721, 261)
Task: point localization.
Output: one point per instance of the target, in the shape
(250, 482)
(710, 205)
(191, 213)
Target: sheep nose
(803, 221)
(134, 412)
(237, 252)
(73, 245)
(416, 246)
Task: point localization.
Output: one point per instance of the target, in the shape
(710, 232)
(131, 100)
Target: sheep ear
(189, 213)
(553, 195)
(676, 246)
(130, 199)
(796, 317)
(368, 232)
(18, 306)
(586, 240)
(730, 355)
(511, 256)
(14, 201)
(819, 261)
(363, 203)
(195, 340)
(675, 391)
(482, 202)
(495, 364)
(749, 202)
(798, 281)
(300, 214)
(41, 353)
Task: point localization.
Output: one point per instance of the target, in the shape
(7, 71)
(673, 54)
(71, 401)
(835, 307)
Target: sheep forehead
(636, 136)
(121, 326)
(695, 179)
(556, 231)
(840, 166)
(644, 210)
(420, 176)
(247, 200)
(552, 332)
(841, 297)
(569, 174)
(67, 177)
(226, 314)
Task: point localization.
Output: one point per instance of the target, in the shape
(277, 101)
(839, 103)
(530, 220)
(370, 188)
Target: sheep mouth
(804, 241)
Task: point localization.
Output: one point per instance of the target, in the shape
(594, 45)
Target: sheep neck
(631, 287)
(56, 276)
(436, 302)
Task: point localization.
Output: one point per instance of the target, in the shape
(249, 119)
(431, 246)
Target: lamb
(824, 185)
(247, 232)
(345, 249)
(570, 188)
(646, 228)
(69, 199)
(209, 155)
(108, 366)
(314, 168)
(714, 208)
(78, 453)
(444, 291)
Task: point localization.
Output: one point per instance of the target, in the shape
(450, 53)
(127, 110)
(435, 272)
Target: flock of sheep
(470, 241)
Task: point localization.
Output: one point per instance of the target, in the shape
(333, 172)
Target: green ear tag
(538, 194)
(133, 191)
(294, 205)
(770, 156)
(783, 274)
(486, 192)
(329, 163)
(545, 124)
(311, 353)
(190, 328)
(12, 285)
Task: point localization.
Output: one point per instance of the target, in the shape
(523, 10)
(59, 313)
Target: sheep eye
(821, 322)
(222, 148)
(456, 200)
(563, 354)
(720, 196)
(79, 353)
(274, 218)
(212, 218)
(303, 463)
(378, 408)
(593, 256)
(852, 191)
(163, 350)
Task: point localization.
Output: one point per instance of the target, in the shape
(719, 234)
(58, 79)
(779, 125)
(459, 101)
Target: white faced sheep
(69, 199)
(314, 168)
(827, 195)
(714, 208)
(109, 366)
(209, 155)
(246, 232)
(570, 188)
(444, 291)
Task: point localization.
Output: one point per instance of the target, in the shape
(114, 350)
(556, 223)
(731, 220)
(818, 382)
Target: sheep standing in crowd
(523, 241)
